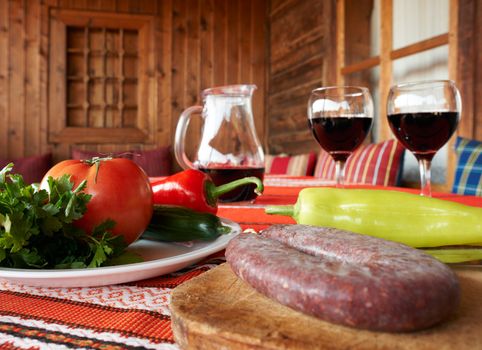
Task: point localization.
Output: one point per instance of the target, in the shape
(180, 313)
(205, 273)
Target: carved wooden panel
(102, 69)
(99, 74)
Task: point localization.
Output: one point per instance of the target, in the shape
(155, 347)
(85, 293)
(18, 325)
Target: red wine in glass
(340, 136)
(243, 193)
(423, 116)
(340, 118)
(423, 133)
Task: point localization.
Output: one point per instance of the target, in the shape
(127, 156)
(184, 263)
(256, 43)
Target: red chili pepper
(195, 190)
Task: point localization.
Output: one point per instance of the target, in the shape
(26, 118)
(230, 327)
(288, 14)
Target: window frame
(385, 61)
(59, 131)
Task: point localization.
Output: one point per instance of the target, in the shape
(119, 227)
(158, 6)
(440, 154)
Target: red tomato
(121, 192)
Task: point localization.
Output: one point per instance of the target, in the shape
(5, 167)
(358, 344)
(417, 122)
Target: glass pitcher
(229, 148)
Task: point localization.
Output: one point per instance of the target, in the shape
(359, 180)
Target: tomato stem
(96, 161)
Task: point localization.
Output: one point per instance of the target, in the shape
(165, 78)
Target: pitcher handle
(180, 136)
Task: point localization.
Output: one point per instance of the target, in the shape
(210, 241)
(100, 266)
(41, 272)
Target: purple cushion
(156, 162)
(31, 168)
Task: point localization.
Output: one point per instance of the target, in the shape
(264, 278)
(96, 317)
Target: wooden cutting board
(216, 310)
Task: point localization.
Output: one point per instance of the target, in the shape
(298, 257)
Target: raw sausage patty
(346, 278)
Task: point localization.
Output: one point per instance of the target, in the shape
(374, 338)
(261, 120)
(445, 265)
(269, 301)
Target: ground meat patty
(346, 278)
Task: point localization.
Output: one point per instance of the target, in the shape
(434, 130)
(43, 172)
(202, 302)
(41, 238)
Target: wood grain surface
(219, 311)
(50, 79)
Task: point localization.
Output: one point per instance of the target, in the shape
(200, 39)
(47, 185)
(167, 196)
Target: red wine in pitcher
(423, 133)
(221, 176)
(340, 136)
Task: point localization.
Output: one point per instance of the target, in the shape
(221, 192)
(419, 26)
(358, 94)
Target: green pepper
(455, 255)
(179, 224)
(407, 218)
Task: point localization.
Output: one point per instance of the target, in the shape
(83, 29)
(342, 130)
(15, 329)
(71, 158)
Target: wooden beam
(424, 45)
(329, 76)
(99, 135)
(340, 41)
(32, 136)
(258, 73)
(362, 65)
(57, 96)
(101, 19)
(386, 32)
(43, 79)
(163, 43)
(16, 78)
(418, 47)
(453, 66)
(463, 67)
(4, 77)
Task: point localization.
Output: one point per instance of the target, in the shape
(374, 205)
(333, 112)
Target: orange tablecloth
(133, 315)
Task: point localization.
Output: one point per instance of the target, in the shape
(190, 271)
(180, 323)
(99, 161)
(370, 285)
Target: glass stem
(340, 173)
(425, 177)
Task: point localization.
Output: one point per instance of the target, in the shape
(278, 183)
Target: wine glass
(340, 118)
(423, 116)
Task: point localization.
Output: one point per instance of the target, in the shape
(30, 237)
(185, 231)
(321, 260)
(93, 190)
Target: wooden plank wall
(21, 64)
(357, 39)
(301, 58)
(469, 67)
(199, 44)
(214, 43)
(285, 47)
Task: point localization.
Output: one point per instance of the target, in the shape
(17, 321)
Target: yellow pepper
(407, 218)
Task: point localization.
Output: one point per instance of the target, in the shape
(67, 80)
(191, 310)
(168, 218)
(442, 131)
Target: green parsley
(37, 231)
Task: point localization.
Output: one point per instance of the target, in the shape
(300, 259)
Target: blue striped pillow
(468, 174)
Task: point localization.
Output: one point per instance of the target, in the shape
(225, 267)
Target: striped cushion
(468, 174)
(299, 165)
(376, 164)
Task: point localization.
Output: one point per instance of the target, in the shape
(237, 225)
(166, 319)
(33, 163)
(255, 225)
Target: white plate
(159, 258)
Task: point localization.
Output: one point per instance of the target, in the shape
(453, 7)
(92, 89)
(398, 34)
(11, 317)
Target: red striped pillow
(376, 164)
(299, 165)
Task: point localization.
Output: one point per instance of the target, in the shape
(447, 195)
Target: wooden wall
(23, 64)
(195, 45)
(285, 47)
(217, 42)
(357, 35)
(301, 58)
(469, 67)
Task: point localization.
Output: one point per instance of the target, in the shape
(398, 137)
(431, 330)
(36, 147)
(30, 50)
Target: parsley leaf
(37, 231)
